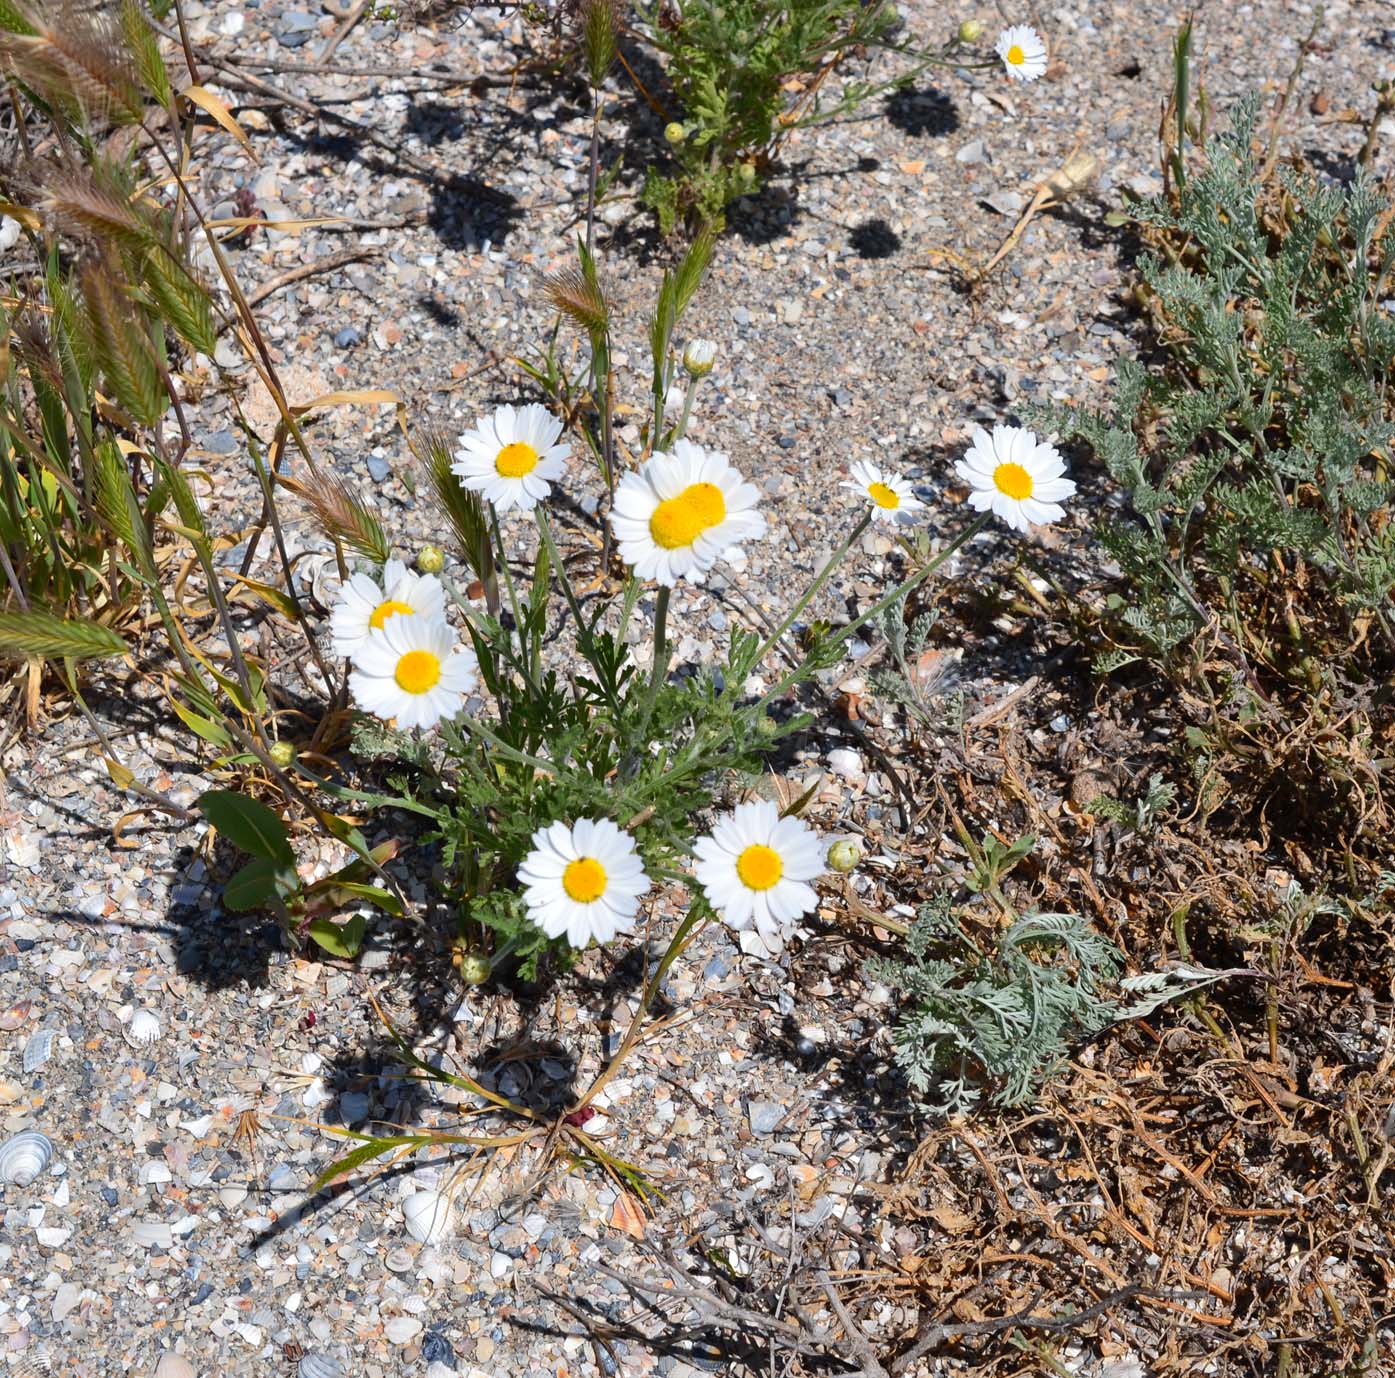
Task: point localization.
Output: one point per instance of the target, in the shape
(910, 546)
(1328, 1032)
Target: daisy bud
(283, 753)
(747, 172)
(970, 31)
(675, 133)
(431, 559)
(698, 357)
(474, 966)
(843, 856)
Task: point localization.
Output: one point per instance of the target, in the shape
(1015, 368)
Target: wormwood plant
(996, 1017)
(1257, 460)
(1257, 554)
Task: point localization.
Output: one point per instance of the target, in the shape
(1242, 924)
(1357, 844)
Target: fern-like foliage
(996, 1022)
(1261, 447)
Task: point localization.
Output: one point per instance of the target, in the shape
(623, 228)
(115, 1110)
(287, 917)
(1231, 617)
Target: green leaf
(210, 731)
(364, 1153)
(247, 824)
(374, 894)
(340, 939)
(255, 885)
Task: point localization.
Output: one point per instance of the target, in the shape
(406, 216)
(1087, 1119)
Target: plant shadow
(921, 112)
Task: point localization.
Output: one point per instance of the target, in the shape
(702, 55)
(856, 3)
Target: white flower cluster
(673, 519)
(585, 882)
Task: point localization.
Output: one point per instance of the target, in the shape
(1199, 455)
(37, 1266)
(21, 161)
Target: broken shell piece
(428, 1216)
(143, 1029)
(24, 1157)
(38, 1048)
(314, 1365)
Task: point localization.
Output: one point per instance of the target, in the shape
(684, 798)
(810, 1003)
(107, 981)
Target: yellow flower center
(759, 867)
(883, 495)
(1015, 56)
(383, 611)
(1013, 480)
(584, 879)
(679, 521)
(515, 460)
(417, 671)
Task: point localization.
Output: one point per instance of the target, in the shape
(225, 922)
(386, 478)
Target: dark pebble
(347, 337)
(436, 1349)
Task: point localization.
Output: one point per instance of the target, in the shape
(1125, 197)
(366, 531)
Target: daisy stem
(503, 563)
(688, 394)
(660, 669)
(808, 595)
(900, 591)
(583, 632)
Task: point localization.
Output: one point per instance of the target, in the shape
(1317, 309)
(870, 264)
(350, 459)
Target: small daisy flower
(583, 882)
(411, 671)
(675, 517)
(364, 605)
(890, 495)
(9, 233)
(756, 868)
(1015, 477)
(1022, 51)
(512, 457)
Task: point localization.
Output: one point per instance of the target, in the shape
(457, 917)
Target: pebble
(296, 28)
(174, 1365)
(349, 336)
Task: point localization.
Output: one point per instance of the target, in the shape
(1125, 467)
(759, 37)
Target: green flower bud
(844, 855)
(431, 559)
(283, 753)
(747, 172)
(970, 31)
(675, 133)
(474, 966)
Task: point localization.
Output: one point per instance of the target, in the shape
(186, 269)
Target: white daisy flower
(583, 882)
(675, 517)
(756, 868)
(890, 495)
(512, 457)
(1022, 51)
(364, 605)
(411, 670)
(1021, 481)
(9, 233)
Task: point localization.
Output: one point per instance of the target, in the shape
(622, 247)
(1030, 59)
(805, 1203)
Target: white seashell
(38, 1049)
(173, 1365)
(316, 1365)
(143, 1029)
(24, 1157)
(428, 1216)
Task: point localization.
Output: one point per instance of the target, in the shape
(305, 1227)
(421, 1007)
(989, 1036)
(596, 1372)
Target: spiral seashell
(428, 1216)
(24, 1157)
(143, 1029)
(316, 1365)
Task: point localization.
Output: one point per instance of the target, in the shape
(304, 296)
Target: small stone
(348, 337)
(296, 29)
(173, 1365)
(378, 468)
(437, 1350)
(220, 443)
(972, 152)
